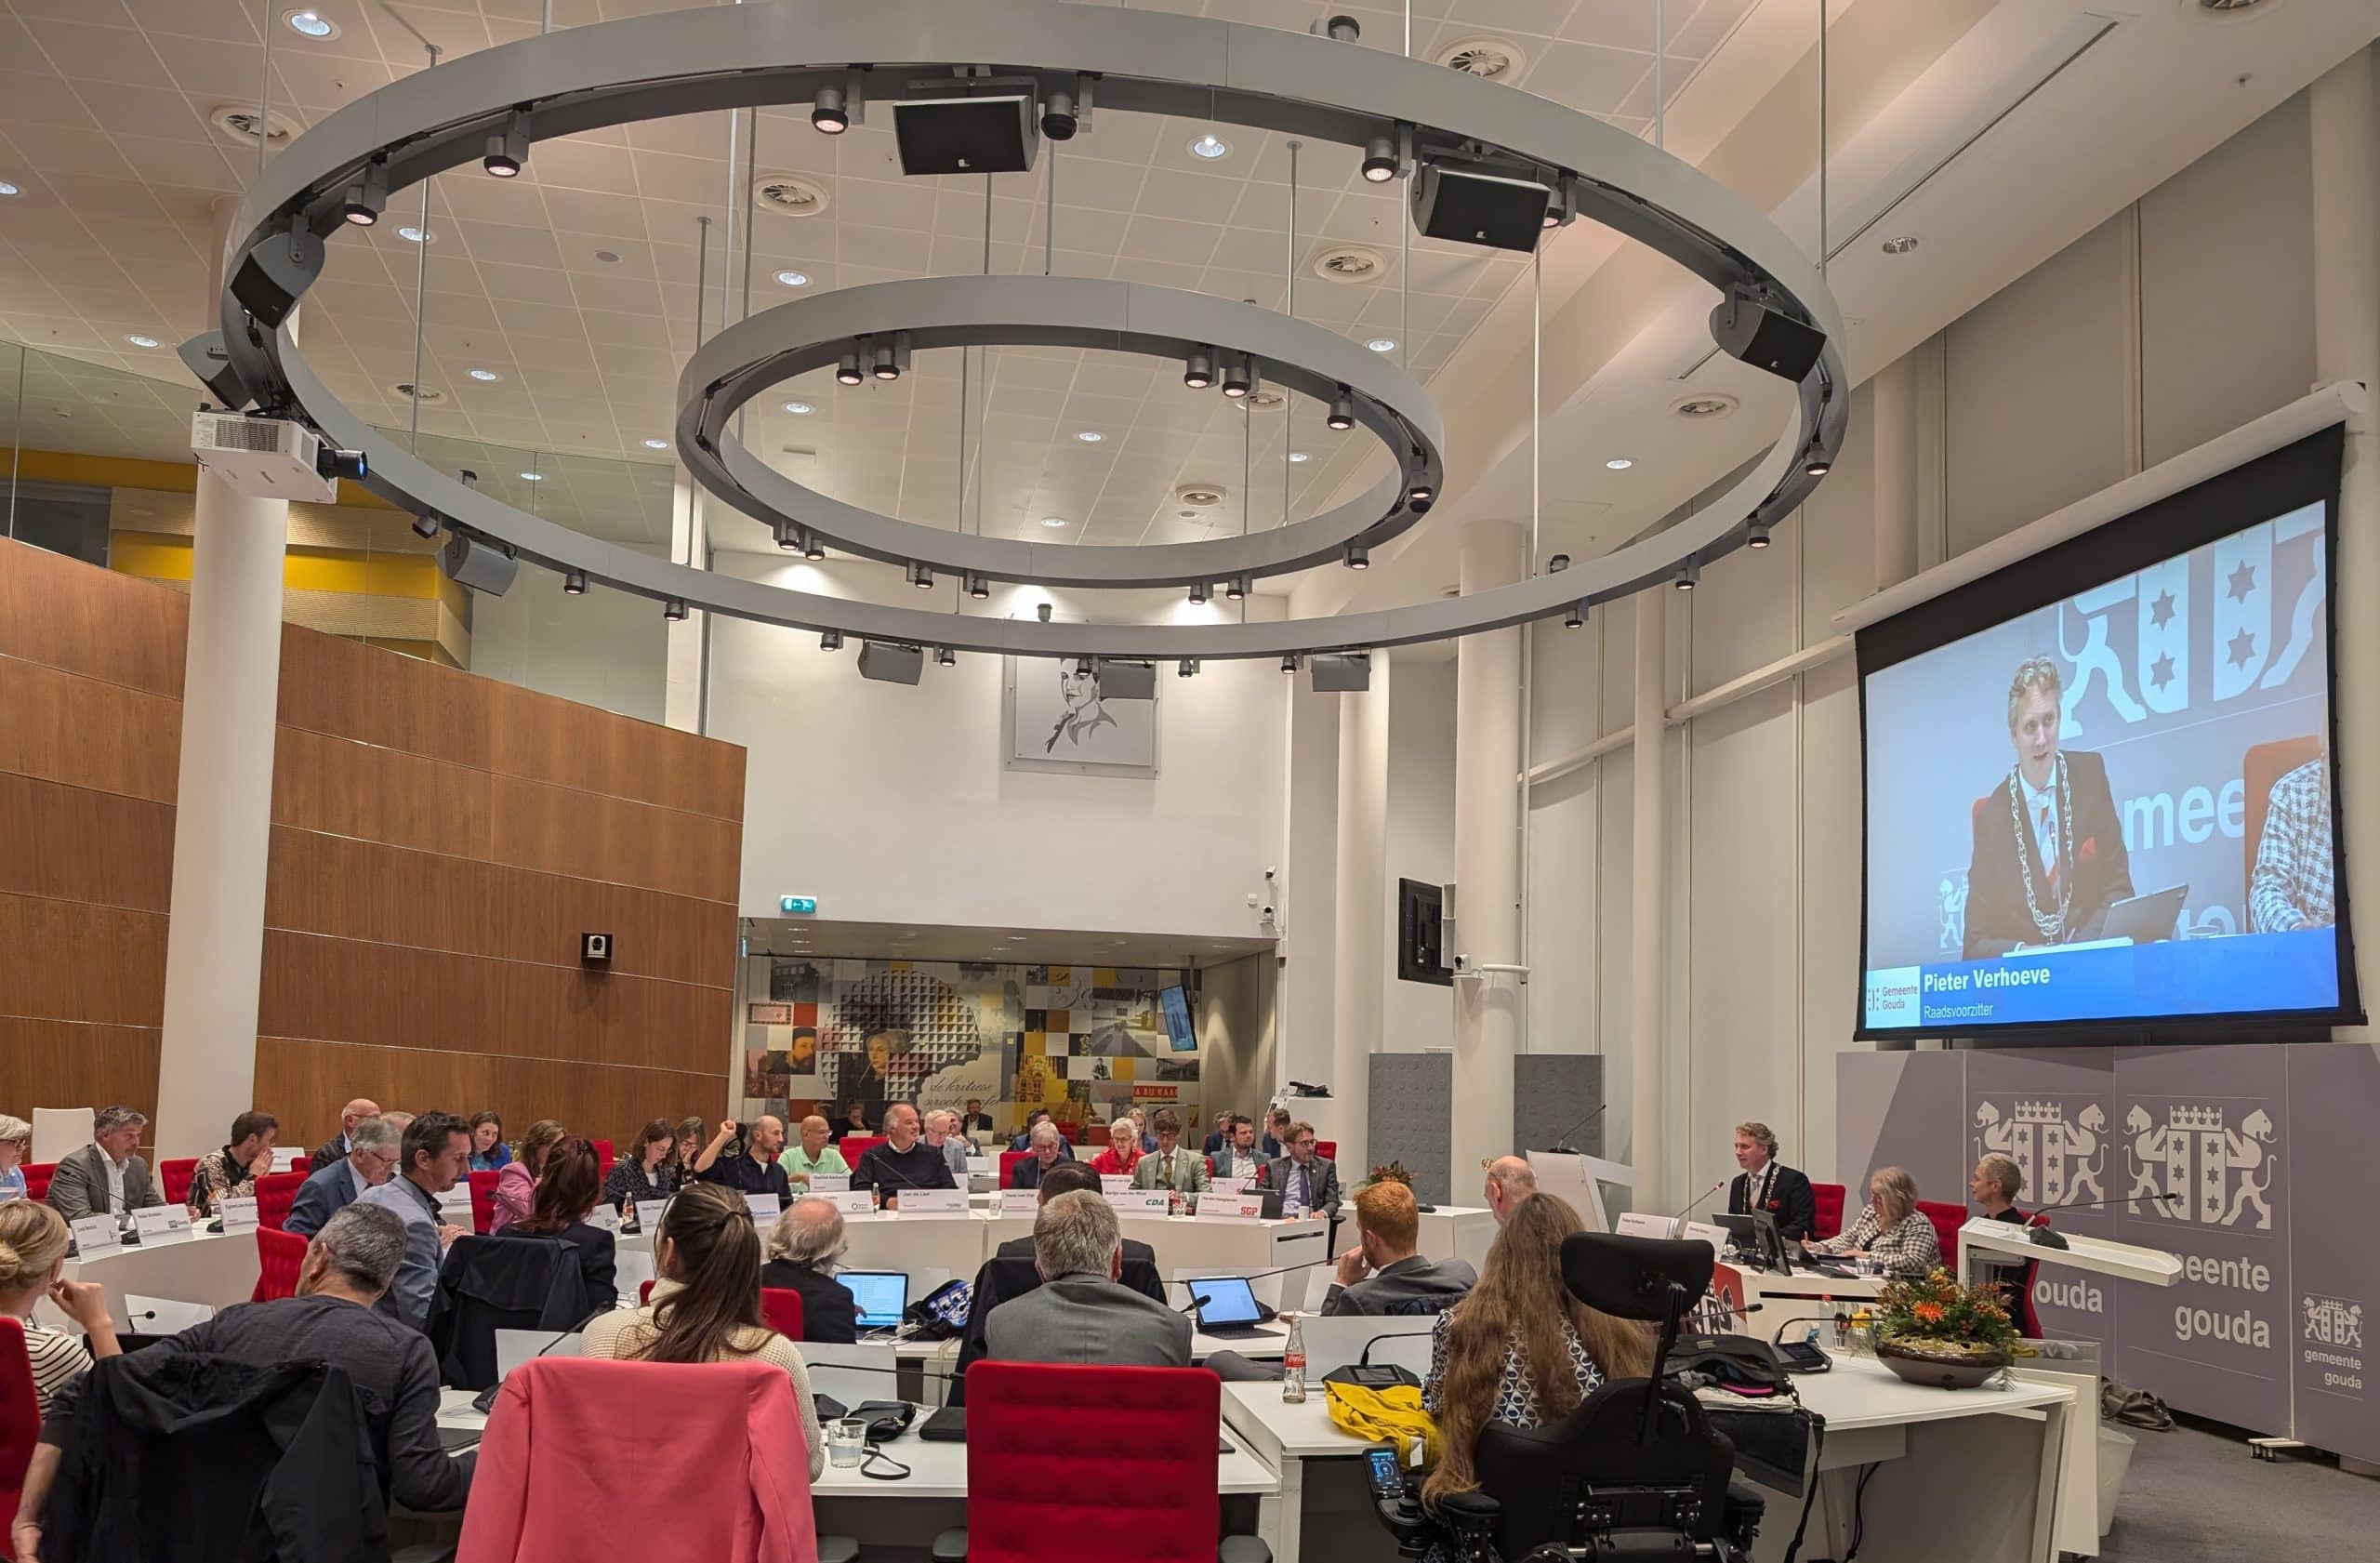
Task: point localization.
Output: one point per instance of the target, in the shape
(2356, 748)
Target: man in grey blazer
(1081, 1313)
(1304, 1179)
(1401, 1282)
(104, 1175)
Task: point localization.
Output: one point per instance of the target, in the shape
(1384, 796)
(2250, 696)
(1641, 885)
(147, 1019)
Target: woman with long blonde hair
(1518, 1348)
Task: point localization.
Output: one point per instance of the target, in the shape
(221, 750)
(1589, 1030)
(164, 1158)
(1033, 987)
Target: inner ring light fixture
(1220, 73)
(746, 360)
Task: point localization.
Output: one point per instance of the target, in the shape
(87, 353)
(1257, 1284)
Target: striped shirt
(58, 1358)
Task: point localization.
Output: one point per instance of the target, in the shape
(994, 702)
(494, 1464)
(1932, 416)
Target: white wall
(605, 648)
(1415, 1015)
(890, 804)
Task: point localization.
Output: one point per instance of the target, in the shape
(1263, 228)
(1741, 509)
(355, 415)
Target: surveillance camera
(1463, 963)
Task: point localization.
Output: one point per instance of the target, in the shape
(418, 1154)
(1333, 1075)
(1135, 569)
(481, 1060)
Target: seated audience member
(645, 1173)
(1025, 1140)
(1081, 1312)
(331, 1320)
(333, 1187)
(1994, 1185)
(568, 1191)
(1519, 1349)
(1071, 1177)
(1891, 1228)
(104, 1176)
(1123, 1152)
(904, 1160)
(975, 1121)
(805, 1249)
(1275, 1141)
(705, 1306)
(853, 1122)
(489, 1153)
(812, 1155)
(516, 1181)
(1510, 1180)
(430, 1161)
(691, 1133)
(942, 1134)
(1239, 1157)
(1400, 1281)
(1767, 1184)
(33, 1260)
(337, 1146)
(1307, 1182)
(1029, 1173)
(750, 1168)
(231, 1170)
(1219, 1135)
(1141, 1128)
(1172, 1165)
(15, 1144)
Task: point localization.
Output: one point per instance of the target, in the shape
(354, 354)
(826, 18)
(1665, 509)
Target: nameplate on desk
(285, 1158)
(830, 1183)
(934, 1202)
(603, 1218)
(1717, 1237)
(1142, 1201)
(852, 1202)
(162, 1223)
(1636, 1224)
(648, 1215)
(1020, 1201)
(94, 1234)
(762, 1206)
(1248, 1206)
(1114, 1183)
(239, 1213)
(455, 1206)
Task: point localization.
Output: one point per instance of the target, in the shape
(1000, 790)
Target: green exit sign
(798, 906)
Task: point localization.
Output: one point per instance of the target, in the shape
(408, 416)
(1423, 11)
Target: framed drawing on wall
(1056, 716)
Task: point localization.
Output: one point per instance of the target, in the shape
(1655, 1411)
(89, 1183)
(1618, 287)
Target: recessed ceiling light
(310, 23)
(1383, 344)
(485, 376)
(140, 341)
(1211, 146)
(656, 445)
(1619, 464)
(8, 189)
(1900, 244)
(794, 279)
(1297, 456)
(1053, 521)
(533, 477)
(800, 409)
(1090, 436)
(413, 235)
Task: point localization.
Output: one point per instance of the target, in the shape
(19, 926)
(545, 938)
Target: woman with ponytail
(706, 1304)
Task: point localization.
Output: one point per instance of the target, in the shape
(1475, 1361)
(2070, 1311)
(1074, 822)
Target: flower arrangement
(1937, 1318)
(1389, 1172)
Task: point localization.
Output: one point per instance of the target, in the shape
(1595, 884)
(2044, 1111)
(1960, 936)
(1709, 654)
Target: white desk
(208, 1268)
(1462, 1232)
(1206, 1242)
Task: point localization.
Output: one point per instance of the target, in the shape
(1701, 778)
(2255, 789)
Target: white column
(222, 819)
(1893, 436)
(2345, 133)
(1309, 893)
(682, 696)
(1487, 860)
(1363, 915)
(1648, 904)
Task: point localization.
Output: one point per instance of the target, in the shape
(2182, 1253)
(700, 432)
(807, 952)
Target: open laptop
(2147, 920)
(1227, 1306)
(881, 1296)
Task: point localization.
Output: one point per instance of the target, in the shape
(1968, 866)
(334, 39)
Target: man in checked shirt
(2292, 887)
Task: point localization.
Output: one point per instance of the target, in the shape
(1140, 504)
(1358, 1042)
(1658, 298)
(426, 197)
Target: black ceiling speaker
(888, 662)
(995, 135)
(1128, 681)
(1748, 330)
(1470, 207)
(478, 564)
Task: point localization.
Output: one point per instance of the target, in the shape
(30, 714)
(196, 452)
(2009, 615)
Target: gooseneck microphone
(1562, 1140)
(2042, 1237)
(1698, 1200)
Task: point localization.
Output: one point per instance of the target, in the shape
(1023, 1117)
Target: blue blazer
(326, 1192)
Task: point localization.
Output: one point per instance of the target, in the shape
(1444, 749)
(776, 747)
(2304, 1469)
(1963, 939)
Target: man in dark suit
(1081, 1312)
(339, 1144)
(1305, 1180)
(974, 1120)
(1767, 1184)
(1385, 1273)
(2049, 857)
(334, 1185)
(1072, 1178)
(1043, 1157)
(803, 1249)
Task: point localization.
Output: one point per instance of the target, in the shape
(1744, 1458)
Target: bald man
(1510, 1181)
(338, 1148)
(750, 1168)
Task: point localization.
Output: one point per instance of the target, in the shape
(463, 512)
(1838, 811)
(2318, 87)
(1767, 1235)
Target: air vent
(1263, 396)
(428, 395)
(789, 195)
(1201, 496)
(1704, 406)
(247, 434)
(237, 122)
(1350, 263)
(2232, 7)
(1492, 60)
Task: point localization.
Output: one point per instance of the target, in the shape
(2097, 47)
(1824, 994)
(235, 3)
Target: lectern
(1580, 1179)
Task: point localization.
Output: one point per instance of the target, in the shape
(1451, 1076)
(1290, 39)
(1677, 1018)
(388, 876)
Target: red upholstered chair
(176, 1176)
(782, 1307)
(1009, 1159)
(644, 1293)
(20, 1419)
(483, 1202)
(602, 1158)
(301, 1164)
(1043, 1463)
(1829, 1197)
(856, 1146)
(1947, 1220)
(1329, 1151)
(279, 1255)
(275, 1193)
(37, 1176)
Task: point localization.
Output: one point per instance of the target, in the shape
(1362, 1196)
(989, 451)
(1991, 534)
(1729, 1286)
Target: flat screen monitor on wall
(2099, 789)
(1175, 1003)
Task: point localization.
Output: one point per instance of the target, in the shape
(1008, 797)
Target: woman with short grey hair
(804, 1249)
(15, 1144)
(1892, 1230)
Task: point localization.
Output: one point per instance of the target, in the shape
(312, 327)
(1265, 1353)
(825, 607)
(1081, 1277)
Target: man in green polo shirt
(812, 1155)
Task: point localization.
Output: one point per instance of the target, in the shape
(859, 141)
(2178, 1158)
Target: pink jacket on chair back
(564, 1476)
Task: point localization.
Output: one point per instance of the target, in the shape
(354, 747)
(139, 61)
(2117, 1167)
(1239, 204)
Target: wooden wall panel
(61, 1064)
(63, 613)
(563, 832)
(65, 727)
(347, 788)
(69, 844)
(350, 690)
(570, 745)
(71, 960)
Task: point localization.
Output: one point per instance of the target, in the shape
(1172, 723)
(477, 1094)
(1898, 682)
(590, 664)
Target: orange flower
(1930, 1312)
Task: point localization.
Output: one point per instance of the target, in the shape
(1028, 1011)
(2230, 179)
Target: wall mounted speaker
(888, 663)
(1128, 681)
(966, 135)
(595, 950)
(1474, 208)
(1751, 332)
(478, 564)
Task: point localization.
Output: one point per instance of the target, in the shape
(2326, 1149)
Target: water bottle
(1293, 1365)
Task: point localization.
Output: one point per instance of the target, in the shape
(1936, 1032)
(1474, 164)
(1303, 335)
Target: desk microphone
(1698, 1200)
(1562, 1140)
(2042, 1237)
(1199, 1300)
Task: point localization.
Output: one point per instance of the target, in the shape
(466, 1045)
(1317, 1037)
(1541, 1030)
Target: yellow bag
(1392, 1415)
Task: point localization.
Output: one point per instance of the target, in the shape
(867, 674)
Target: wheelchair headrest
(1632, 1278)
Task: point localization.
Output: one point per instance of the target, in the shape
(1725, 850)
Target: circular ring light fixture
(1264, 79)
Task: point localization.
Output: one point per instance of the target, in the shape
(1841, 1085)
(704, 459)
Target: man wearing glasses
(1309, 1183)
(371, 1160)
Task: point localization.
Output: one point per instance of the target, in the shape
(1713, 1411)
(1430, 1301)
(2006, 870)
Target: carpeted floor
(2195, 1496)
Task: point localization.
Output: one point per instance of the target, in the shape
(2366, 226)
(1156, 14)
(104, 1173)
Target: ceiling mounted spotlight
(813, 549)
(508, 150)
(1198, 592)
(1198, 372)
(831, 639)
(1240, 377)
(1817, 466)
(846, 372)
(1358, 557)
(1756, 534)
(1235, 587)
(1380, 159)
(1687, 574)
(1420, 493)
(1059, 121)
(1289, 663)
(674, 610)
(1187, 668)
(425, 526)
(827, 114)
(921, 575)
(891, 356)
(788, 536)
(574, 583)
(946, 658)
(366, 196)
(1576, 616)
(1343, 411)
(1559, 563)
(978, 587)
(1338, 27)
